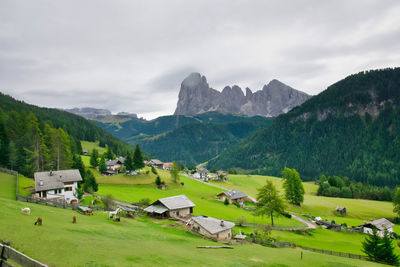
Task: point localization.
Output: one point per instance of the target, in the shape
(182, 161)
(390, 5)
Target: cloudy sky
(132, 55)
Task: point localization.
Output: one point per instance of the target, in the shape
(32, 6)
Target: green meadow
(98, 241)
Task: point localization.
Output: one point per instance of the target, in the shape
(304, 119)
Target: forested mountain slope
(351, 129)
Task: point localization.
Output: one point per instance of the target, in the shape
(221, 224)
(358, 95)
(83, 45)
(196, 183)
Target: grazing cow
(39, 221)
(74, 219)
(26, 210)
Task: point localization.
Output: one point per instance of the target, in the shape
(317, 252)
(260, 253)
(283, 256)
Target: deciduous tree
(269, 202)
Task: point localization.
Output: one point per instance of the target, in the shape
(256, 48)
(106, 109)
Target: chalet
(203, 174)
(57, 184)
(233, 196)
(167, 166)
(212, 228)
(115, 166)
(156, 163)
(176, 206)
(222, 174)
(381, 225)
(341, 210)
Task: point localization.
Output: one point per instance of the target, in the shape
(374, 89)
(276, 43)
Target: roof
(234, 194)
(202, 170)
(176, 202)
(115, 161)
(382, 224)
(55, 179)
(213, 225)
(159, 209)
(156, 161)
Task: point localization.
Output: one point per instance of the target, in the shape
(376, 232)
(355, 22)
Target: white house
(212, 228)
(57, 184)
(381, 225)
(115, 165)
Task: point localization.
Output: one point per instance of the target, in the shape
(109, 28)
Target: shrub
(241, 220)
(236, 204)
(182, 183)
(226, 201)
(145, 201)
(108, 202)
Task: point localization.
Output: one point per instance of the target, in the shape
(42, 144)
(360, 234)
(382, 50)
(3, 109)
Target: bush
(145, 201)
(182, 183)
(108, 202)
(236, 204)
(158, 180)
(226, 201)
(286, 214)
(241, 220)
(153, 170)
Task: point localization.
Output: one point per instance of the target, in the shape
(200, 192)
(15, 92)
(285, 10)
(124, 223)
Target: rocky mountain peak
(275, 98)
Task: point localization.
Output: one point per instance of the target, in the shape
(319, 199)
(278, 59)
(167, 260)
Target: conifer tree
(137, 158)
(371, 246)
(4, 142)
(129, 161)
(294, 190)
(94, 158)
(102, 164)
(78, 164)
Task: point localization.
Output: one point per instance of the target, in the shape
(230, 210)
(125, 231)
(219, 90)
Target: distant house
(233, 196)
(85, 152)
(176, 206)
(167, 166)
(222, 174)
(115, 166)
(57, 184)
(341, 210)
(212, 228)
(156, 163)
(381, 225)
(203, 174)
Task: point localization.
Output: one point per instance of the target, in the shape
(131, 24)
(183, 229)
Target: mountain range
(275, 98)
(350, 129)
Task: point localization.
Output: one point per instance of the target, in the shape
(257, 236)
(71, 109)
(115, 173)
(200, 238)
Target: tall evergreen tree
(13, 155)
(137, 158)
(94, 158)
(102, 164)
(371, 246)
(109, 154)
(90, 185)
(396, 201)
(386, 253)
(294, 190)
(78, 164)
(129, 161)
(4, 142)
(269, 202)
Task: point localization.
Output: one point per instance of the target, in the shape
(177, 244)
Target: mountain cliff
(351, 129)
(275, 98)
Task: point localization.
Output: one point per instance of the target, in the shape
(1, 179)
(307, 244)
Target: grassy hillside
(97, 241)
(351, 129)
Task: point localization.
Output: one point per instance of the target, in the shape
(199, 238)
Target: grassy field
(89, 146)
(97, 241)
(315, 205)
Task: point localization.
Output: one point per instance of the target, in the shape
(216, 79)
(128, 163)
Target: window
(44, 194)
(68, 189)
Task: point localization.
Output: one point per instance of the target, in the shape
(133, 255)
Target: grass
(89, 146)
(97, 241)
(25, 185)
(315, 205)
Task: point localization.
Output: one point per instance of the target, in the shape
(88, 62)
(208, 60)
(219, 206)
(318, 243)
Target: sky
(132, 56)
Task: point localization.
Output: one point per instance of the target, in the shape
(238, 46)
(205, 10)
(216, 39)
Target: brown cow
(74, 219)
(39, 221)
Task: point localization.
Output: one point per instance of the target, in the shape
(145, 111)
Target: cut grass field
(97, 241)
(314, 205)
(89, 146)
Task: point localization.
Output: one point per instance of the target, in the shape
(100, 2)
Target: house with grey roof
(115, 166)
(380, 225)
(57, 184)
(211, 227)
(156, 163)
(233, 196)
(177, 206)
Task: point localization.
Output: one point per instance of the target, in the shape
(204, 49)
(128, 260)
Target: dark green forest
(189, 140)
(36, 139)
(351, 129)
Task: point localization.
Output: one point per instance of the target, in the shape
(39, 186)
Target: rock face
(275, 98)
(89, 113)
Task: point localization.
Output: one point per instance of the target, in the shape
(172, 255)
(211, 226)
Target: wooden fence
(9, 255)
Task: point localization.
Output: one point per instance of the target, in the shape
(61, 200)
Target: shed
(176, 206)
(212, 228)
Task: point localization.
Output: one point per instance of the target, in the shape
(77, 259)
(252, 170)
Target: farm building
(167, 166)
(115, 166)
(176, 206)
(381, 225)
(212, 228)
(341, 210)
(202, 173)
(156, 163)
(57, 184)
(233, 196)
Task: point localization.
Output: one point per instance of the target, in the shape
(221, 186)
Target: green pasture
(97, 241)
(89, 146)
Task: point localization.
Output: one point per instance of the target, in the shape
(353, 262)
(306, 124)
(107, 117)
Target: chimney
(41, 182)
(222, 223)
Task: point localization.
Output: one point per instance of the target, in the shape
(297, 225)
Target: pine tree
(102, 165)
(386, 251)
(371, 246)
(158, 180)
(4, 142)
(137, 158)
(175, 172)
(129, 162)
(78, 164)
(109, 154)
(90, 185)
(13, 155)
(396, 201)
(269, 202)
(93, 158)
(294, 190)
